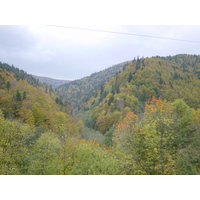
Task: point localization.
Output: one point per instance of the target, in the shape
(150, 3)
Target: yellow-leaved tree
(152, 143)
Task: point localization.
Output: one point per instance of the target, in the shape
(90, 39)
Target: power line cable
(123, 33)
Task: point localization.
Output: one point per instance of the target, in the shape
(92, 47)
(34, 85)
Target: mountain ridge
(169, 78)
(79, 91)
(51, 81)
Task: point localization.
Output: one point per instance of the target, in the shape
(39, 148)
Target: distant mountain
(80, 91)
(50, 81)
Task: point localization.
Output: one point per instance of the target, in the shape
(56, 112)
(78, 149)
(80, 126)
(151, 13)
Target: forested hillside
(24, 98)
(149, 113)
(144, 119)
(167, 78)
(37, 134)
(80, 91)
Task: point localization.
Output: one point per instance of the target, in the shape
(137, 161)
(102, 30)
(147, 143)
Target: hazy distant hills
(50, 81)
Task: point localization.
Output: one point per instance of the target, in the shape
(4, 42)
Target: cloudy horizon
(64, 53)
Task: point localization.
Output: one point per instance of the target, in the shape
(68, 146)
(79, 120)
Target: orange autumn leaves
(158, 106)
(127, 123)
(152, 143)
(153, 108)
(142, 139)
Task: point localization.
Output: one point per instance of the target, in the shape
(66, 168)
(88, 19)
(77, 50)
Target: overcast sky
(70, 54)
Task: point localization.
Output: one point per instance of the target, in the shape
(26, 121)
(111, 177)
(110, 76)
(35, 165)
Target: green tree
(184, 165)
(108, 137)
(24, 95)
(44, 158)
(91, 159)
(13, 150)
(8, 85)
(103, 123)
(150, 143)
(130, 77)
(184, 118)
(111, 99)
(38, 114)
(18, 96)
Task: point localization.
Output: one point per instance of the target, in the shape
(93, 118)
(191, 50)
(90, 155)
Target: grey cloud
(16, 37)
(70, 54)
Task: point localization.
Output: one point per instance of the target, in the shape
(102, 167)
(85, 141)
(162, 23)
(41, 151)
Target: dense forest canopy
(80, 91)
(138, 117)
(167, 78)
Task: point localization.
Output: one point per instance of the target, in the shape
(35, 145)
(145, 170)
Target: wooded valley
(140, 117)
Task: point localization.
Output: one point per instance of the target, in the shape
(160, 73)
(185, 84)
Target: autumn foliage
(142, 120)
